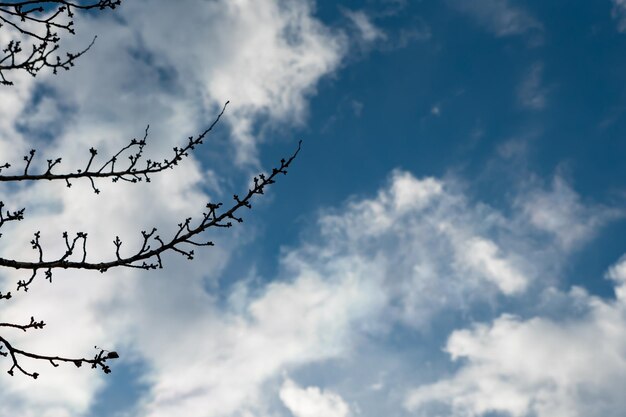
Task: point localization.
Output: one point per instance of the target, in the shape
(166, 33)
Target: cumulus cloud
(413, 250)
(567, 367)
(312, 402)
(618, 274)
(266, 57)
(226, 365)
(446, 248)
(72, 305)
(416, 235)
(499, 16)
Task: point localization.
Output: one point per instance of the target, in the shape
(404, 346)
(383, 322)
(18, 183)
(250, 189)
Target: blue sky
(448, 243)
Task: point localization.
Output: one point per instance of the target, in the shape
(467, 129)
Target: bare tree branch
(32, 325)
(131, 173)
(153, 246)
(99, 359)
(40, 23)
(149, 256)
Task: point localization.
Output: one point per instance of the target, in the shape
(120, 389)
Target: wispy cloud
(560, 212)
(619, 14)
(500, 17)
(371, 29)
(368, 31)
(531, 92)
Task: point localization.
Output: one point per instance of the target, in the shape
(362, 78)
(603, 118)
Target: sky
(449, 242)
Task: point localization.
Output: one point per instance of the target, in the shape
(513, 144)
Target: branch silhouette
(153, 245)
(131, 173)
(40, 23)
(98, 361)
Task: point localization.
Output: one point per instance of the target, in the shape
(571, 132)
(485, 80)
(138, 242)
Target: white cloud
(483, 255)
(266, 57)
(499, 16)
(13, 100)
(415, 249)
(419, 234)
(226, 364)
(573, 366)
(371, 265)
(72, 306)
(619, 14)
(618, 274)
(312, 402)
(427, 248)
(147, 67)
